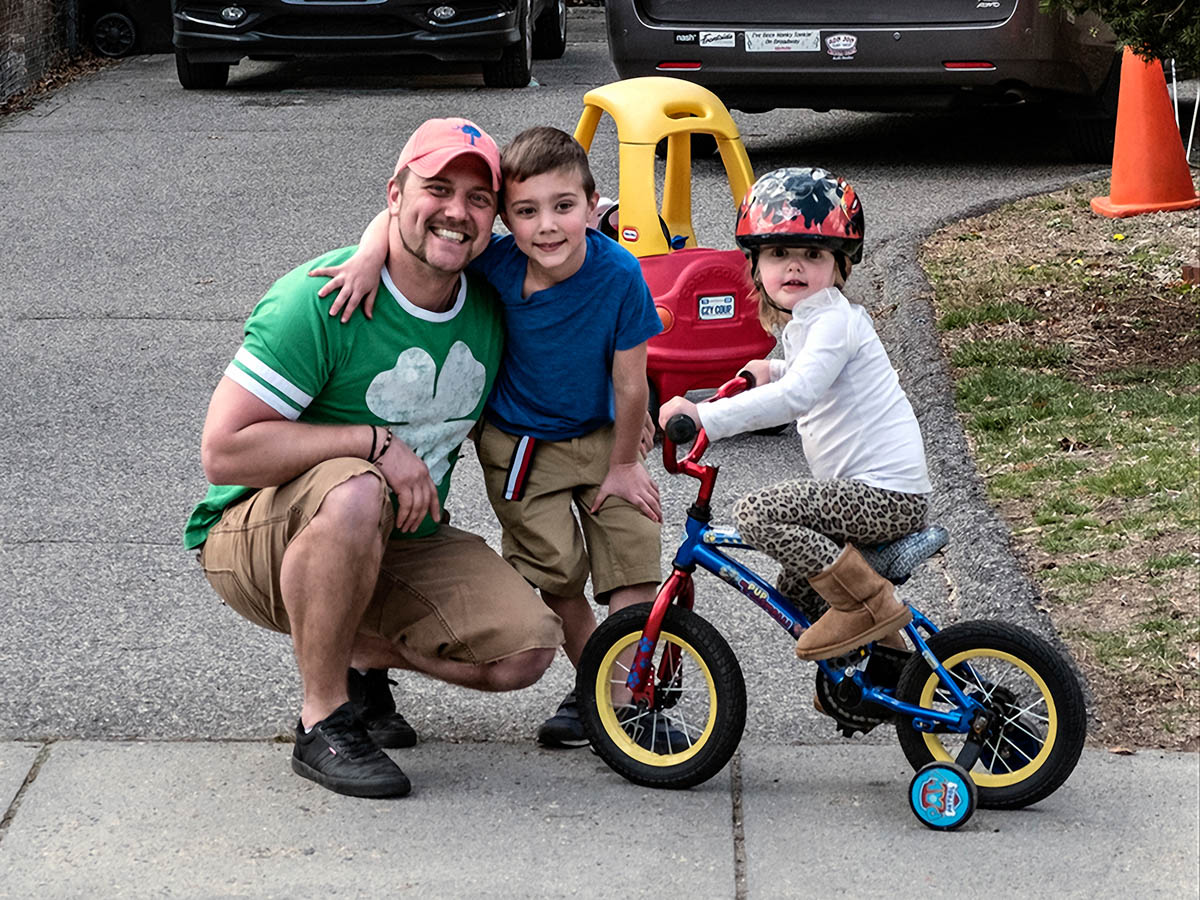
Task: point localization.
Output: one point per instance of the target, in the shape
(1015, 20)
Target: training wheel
(942, 795)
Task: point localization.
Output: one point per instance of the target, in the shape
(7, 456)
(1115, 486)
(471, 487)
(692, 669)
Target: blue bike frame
(701, 546)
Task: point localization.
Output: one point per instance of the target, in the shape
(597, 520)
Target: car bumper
(282, 29)
(875, 67)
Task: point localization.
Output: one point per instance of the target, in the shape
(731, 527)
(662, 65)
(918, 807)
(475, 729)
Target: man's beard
(419, 252)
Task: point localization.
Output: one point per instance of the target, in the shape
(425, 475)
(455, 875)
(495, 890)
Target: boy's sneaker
(371, 696)
(564, 728)
(339, 755)
(652, 731)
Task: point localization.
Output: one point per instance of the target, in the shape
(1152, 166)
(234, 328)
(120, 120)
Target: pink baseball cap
(438, 141)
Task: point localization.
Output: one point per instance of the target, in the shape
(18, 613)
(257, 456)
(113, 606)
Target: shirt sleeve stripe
(260, 391)
(273, 378)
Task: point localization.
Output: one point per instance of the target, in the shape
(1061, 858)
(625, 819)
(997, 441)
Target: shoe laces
(348, 736)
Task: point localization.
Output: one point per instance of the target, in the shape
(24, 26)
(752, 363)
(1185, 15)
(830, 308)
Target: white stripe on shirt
(263, 393)
(273, 378)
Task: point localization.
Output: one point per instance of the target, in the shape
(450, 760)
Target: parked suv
(879, 56)
(505, 36)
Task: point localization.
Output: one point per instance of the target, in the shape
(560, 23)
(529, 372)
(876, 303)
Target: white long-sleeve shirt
(837, 383)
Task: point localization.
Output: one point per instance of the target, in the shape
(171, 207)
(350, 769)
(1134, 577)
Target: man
(330, 449)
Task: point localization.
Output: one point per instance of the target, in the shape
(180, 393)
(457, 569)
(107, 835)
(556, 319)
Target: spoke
(1018, 725)
(994, 747)
(1028, 711)
(1028, 759)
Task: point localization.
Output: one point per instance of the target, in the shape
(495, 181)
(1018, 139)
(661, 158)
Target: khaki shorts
(447, 596)
(619, 546)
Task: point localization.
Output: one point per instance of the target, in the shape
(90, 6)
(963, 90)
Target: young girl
(802, 230)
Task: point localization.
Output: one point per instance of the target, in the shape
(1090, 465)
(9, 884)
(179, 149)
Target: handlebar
(680, 429)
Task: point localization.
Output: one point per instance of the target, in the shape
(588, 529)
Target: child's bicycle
(987, 713)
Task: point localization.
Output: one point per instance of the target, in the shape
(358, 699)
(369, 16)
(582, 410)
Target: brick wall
(34, 36)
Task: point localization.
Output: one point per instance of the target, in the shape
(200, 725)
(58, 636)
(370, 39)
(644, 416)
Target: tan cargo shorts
(618, 545)
(447, 596)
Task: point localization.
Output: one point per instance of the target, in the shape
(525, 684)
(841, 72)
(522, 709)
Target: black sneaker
(564, 728)
(338, 754)
(372, 699)
(652, 731)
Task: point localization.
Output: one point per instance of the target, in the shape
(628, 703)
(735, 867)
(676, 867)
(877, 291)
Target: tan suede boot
(862, 608)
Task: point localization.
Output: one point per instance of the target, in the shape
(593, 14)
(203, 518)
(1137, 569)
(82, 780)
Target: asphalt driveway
(141, 223)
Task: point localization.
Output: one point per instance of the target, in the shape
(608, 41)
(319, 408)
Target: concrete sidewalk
(503, 820)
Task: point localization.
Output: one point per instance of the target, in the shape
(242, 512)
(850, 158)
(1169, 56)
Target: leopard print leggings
(803, 524)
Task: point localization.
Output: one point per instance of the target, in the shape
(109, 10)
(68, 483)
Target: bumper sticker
(782, 41)
(717, 39)
(841, 46)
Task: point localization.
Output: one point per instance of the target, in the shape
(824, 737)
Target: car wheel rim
(113, 34)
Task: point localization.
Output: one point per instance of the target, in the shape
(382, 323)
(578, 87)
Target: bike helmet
(801, 207)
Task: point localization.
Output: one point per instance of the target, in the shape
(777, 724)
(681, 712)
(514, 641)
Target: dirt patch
(1097, 299)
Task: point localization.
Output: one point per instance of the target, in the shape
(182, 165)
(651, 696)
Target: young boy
(562, 426)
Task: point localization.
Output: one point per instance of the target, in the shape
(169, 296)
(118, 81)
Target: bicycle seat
(897, 560)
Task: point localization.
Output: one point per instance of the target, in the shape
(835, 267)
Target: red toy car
(704, 298)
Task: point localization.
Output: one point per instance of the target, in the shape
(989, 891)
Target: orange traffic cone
(1149, 170)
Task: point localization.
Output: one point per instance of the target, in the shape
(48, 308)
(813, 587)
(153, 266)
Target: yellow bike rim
(611, 672)
(980, 776)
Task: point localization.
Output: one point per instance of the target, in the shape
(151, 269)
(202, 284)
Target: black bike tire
(727, 681)
(1051, 668)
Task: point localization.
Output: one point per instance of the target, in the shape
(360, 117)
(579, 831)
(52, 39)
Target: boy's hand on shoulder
(631, 482)
(356, 281)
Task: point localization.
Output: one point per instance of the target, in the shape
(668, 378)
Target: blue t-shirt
(555, 382)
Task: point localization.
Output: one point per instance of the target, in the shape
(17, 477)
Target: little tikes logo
(630, 234)
(841, 46)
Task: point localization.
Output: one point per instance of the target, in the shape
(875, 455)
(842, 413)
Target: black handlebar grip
(751, 381)
(680, 428)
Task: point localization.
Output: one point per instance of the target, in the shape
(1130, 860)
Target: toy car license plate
(719, 306)
(782, 41)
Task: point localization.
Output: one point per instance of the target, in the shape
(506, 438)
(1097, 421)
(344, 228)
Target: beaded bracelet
(387, 442)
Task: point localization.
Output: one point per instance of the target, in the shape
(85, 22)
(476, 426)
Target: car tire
(113, 34)
(514, 69)
(200, 76)
(550, 32)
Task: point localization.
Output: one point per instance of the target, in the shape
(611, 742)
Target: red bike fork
(678, 589)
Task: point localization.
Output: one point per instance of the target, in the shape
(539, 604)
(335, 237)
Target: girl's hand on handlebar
(356, 281)
(678, 405)
(760, 369)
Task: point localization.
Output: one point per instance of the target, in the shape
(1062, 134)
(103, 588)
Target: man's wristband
(383, 448)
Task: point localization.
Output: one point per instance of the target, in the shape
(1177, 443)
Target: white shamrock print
(430, 412)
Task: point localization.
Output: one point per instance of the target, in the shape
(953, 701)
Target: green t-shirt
(425, 375)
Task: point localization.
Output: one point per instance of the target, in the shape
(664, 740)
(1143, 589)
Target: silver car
(908, 55)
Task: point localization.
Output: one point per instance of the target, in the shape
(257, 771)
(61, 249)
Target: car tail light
(666, 317)
(978, 64)
(670, 65)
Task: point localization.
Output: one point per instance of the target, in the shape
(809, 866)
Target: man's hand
(631, 482)
(678, 405)
(409, 478)
(760, 369)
